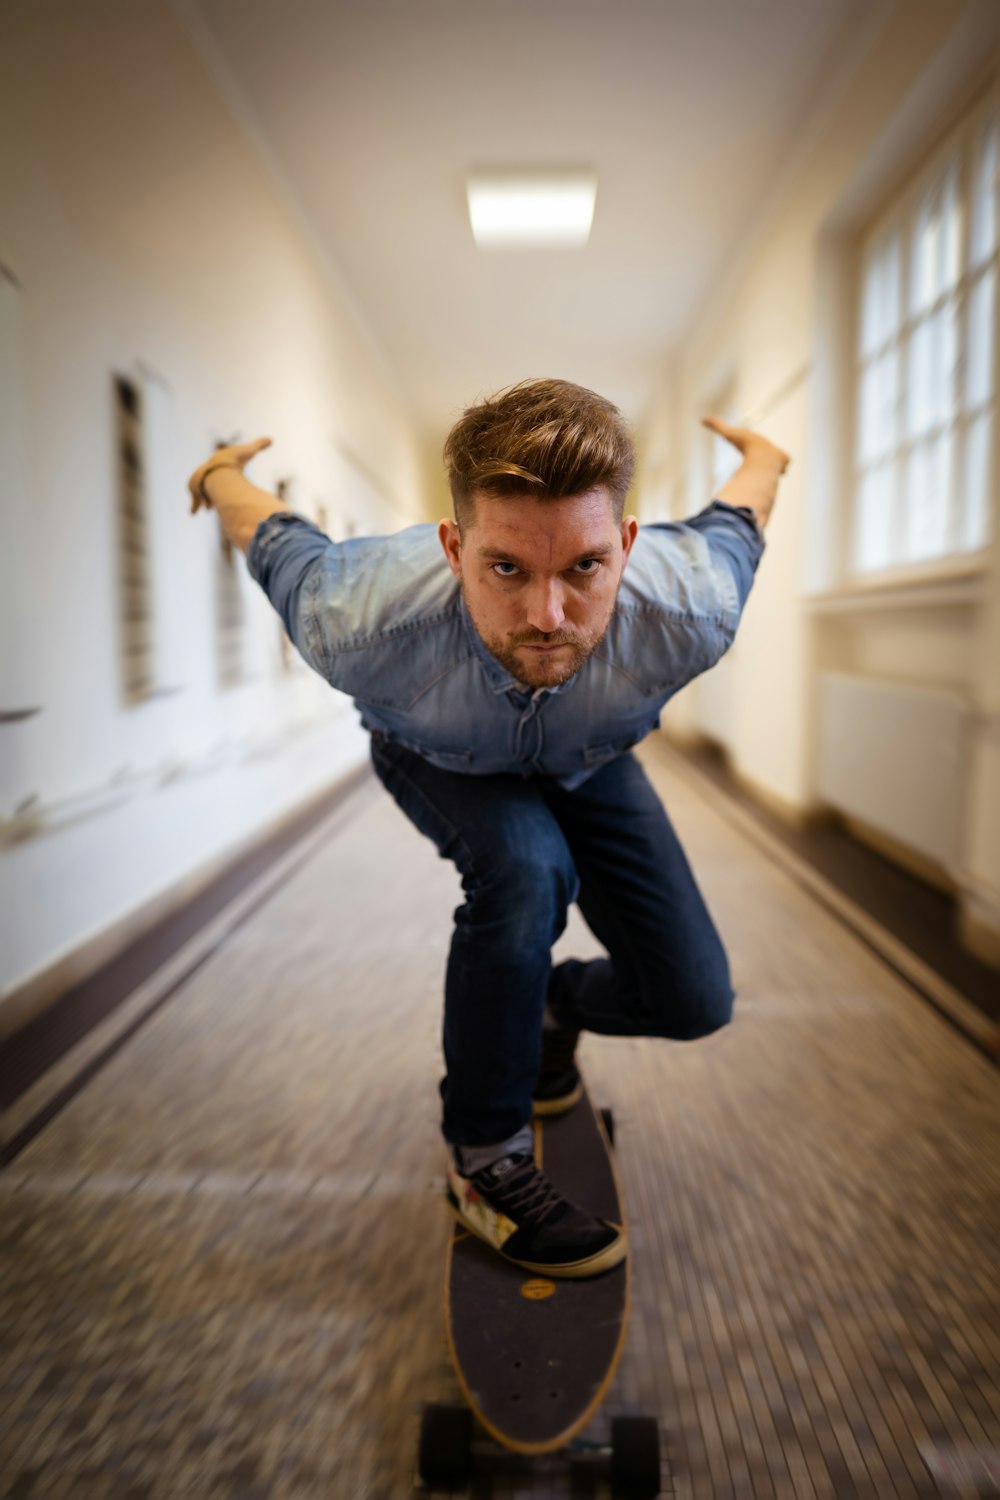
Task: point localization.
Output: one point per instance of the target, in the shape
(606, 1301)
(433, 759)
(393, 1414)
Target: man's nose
(545, 605)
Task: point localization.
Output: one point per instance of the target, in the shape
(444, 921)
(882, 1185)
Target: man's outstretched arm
(755, 483)
(282, 548)
(708, 561)
(220, 483)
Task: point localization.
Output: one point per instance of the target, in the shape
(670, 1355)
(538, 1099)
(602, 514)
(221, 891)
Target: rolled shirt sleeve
(285, 557)
(736, 540)
(712, 571)
(687, 584)
(339, 598)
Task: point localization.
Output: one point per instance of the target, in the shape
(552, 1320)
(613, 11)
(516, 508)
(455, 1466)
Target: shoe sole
(578, 1270)
(558, 1106)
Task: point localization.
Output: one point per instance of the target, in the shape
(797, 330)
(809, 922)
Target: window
(135, 582)
(229, 664)
(723, 457)
(923, 485)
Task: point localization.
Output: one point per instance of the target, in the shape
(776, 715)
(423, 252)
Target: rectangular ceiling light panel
(525, 210)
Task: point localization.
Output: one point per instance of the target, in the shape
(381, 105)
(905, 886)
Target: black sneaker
(559, 1084)
(511, 1206)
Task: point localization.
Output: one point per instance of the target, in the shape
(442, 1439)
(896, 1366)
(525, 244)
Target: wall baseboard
(980, 1026)
(792, 813)
(973, 926)
(901, 854)
(979, 933)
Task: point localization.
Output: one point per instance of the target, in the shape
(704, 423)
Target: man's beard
(544, 670)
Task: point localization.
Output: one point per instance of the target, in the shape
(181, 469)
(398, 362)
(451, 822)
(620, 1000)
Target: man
(504, 684)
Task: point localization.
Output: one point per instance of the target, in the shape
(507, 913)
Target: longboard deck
(535, 1355)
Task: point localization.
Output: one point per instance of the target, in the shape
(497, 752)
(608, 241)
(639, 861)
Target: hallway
(222, 1259)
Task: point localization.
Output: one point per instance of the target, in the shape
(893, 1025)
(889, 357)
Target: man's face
(540, 578)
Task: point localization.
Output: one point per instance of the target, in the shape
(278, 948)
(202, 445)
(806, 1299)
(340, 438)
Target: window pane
(723, 461)
(981, 338)
(919, 384)
(867, 414)
(928, 488)
(869, 331)
(892, 311)
(880, 309)
(885, 437)
(978, 441)
(934, 264)
(951, 231)
(983, 238)
(923, 261)
(944, 358)
(872, 547)
(877, 398)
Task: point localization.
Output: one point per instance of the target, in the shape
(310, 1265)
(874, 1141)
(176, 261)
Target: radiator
(891, 754)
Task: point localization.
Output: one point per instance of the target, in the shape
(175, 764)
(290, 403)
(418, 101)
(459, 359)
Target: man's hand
(234, 455)
(754, 447)
(240, 504)
(755, 483)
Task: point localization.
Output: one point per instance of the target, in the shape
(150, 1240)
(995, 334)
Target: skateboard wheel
(444, 1461)
(635, 1458)
(608, 1121)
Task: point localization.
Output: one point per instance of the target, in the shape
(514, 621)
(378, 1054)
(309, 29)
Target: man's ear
(630, 530)
(451, 540)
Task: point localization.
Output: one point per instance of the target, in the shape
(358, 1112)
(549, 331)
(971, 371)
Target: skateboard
(535, 1356)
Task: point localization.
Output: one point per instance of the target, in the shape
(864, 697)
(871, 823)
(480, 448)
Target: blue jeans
(525, 850)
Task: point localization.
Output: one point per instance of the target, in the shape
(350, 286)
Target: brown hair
(540, 437)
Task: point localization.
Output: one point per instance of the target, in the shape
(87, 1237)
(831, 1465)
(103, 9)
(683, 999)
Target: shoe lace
(524, 1191)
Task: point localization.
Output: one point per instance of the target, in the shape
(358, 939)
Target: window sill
(955, 583)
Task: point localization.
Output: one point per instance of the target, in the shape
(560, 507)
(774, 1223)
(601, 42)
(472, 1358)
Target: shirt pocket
(449, 758)
(599, 755)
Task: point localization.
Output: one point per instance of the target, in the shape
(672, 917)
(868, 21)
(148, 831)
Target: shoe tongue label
(502, 1167)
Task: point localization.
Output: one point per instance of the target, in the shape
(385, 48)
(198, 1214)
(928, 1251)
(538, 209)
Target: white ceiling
(374, 112)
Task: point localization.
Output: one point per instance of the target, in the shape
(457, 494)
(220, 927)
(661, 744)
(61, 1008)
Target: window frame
(901, 216)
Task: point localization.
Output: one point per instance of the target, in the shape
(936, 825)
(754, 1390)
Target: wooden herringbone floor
(221, 1263)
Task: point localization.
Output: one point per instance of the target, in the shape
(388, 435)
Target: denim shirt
(383, 619)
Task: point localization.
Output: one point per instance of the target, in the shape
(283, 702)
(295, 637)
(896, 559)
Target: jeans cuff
(470, 1159)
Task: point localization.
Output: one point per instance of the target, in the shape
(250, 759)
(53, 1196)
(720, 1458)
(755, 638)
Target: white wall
(148, 238)
(781, 327)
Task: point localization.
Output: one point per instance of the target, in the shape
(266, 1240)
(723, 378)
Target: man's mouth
(541, 644)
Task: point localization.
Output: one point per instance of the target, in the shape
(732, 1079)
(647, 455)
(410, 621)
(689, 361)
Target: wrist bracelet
(223, 464)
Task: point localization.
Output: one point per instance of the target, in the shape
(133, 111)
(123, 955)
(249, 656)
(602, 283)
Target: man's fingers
(745, 438)
(234, 454)
(735, 435)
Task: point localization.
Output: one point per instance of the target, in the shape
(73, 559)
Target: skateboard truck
(449, 1451)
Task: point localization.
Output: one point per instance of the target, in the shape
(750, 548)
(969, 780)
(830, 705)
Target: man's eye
(500, 567)
(588, 566)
